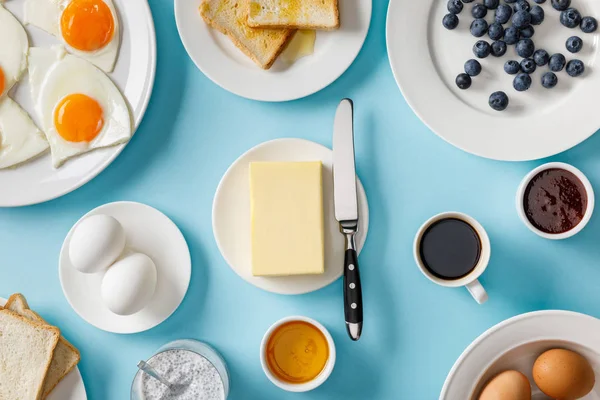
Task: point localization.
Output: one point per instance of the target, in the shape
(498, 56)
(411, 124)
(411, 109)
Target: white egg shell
(129, 284)
(96, 243)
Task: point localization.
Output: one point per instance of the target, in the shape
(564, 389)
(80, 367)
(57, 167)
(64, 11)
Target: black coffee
(450, 248)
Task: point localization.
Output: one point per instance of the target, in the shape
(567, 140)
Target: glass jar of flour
(194, 369)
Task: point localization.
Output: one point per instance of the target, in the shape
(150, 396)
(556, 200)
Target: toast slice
(297, 14)
(66, 356)
(26, 351)
(229, 17)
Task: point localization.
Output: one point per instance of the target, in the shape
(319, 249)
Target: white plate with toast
(71, 387)
(216, 55)
(37, 181)
(231, 216)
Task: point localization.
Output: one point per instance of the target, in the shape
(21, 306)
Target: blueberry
(525, 48)
(512, 67)
(511, 35)
(467, 1)
(541, 57)
(540, 1)
(557, 62)
(588, 24)
(498, 48)
(482, 49)
(496, 31)
(478, 10)
(571, 18)
(463, 81)
(503, 13)
(574, 44)
(561, 5)
(510, 1)
(528, 66)
(450, 21)
(498, 101)
(527, 32)
(455, 6)
(549, 80)
(537, 15)
(472, 67)
(479, 27)
(491, 4)
(575, 68)
(522, 82)
(522, 5)
(521, 19)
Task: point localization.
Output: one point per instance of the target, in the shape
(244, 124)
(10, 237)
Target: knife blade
(346, 213)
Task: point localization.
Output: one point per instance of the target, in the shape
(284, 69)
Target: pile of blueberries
(523, 17)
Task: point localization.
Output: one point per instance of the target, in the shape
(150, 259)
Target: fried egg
(88, 28)
(14, 47)
(79, 107)
(20, 139)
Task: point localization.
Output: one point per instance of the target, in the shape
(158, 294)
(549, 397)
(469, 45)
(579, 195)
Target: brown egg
(563, 374)
(507, 385)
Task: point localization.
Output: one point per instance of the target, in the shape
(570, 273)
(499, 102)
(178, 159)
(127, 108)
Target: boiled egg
(563, 374)
(88, 28)
(508, 385)
(80, 108)
(20, 139)
(129, 284)
(96, 243)
(14, 47)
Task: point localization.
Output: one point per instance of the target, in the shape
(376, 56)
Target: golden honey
(296, 352)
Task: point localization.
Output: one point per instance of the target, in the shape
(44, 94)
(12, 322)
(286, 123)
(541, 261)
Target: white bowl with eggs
(516, 344)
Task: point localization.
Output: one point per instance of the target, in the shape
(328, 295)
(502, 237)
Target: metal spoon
(148, 370)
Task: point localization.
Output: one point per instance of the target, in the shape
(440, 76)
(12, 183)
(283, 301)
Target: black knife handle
(353, 307)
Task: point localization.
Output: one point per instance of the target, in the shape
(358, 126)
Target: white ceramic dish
(231, 216)
(37, 181)
(222, 62)
(590, 200)
(70, 388)
(426, 58)
(147, 231)
(516, 343)
(302, 387)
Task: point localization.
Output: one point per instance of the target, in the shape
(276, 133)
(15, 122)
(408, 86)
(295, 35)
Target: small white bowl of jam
(555, 200)
(297, 354)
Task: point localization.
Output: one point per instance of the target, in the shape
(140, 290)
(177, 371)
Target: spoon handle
(148, 370)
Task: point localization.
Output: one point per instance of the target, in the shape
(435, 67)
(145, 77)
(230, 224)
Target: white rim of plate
(226, 72)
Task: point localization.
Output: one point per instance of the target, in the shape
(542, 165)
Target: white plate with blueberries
(509, 80)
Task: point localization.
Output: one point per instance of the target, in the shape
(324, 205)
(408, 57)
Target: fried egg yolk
(2, 84)
(78, 118)
(87, 25)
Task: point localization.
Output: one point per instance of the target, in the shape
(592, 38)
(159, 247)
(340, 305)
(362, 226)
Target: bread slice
(66, 356)
(297, 14)
(229, 17)
(26, 351)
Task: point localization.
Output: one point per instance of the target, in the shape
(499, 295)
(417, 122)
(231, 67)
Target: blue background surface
(414, 330)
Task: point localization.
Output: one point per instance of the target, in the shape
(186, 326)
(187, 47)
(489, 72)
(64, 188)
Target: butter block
(286, 202)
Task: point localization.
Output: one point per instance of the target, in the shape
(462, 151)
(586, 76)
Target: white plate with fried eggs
(86, 87)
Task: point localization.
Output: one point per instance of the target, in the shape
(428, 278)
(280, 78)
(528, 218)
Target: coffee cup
(452, 249)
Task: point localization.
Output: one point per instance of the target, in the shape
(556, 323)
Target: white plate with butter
(232, 225)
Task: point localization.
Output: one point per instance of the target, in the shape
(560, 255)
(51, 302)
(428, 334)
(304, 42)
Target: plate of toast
(36, 361)
(273, 50)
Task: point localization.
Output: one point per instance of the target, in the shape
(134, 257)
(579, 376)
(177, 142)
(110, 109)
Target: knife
(346, 212)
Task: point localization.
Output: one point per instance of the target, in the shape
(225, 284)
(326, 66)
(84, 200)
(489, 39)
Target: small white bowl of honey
(297, 354)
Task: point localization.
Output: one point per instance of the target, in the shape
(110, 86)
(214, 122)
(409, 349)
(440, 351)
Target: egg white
(20, 139)
(54, 74)
(14, 46)
(46, 14)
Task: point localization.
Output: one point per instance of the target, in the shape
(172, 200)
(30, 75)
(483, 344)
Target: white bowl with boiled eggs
(125, 267)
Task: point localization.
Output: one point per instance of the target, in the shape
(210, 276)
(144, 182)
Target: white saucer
(70, 388)
(147, 231)
(231, 216)
(516, 343)
(426, 58)
(216, 56)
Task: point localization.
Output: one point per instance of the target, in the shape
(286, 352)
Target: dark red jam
(555, 201)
